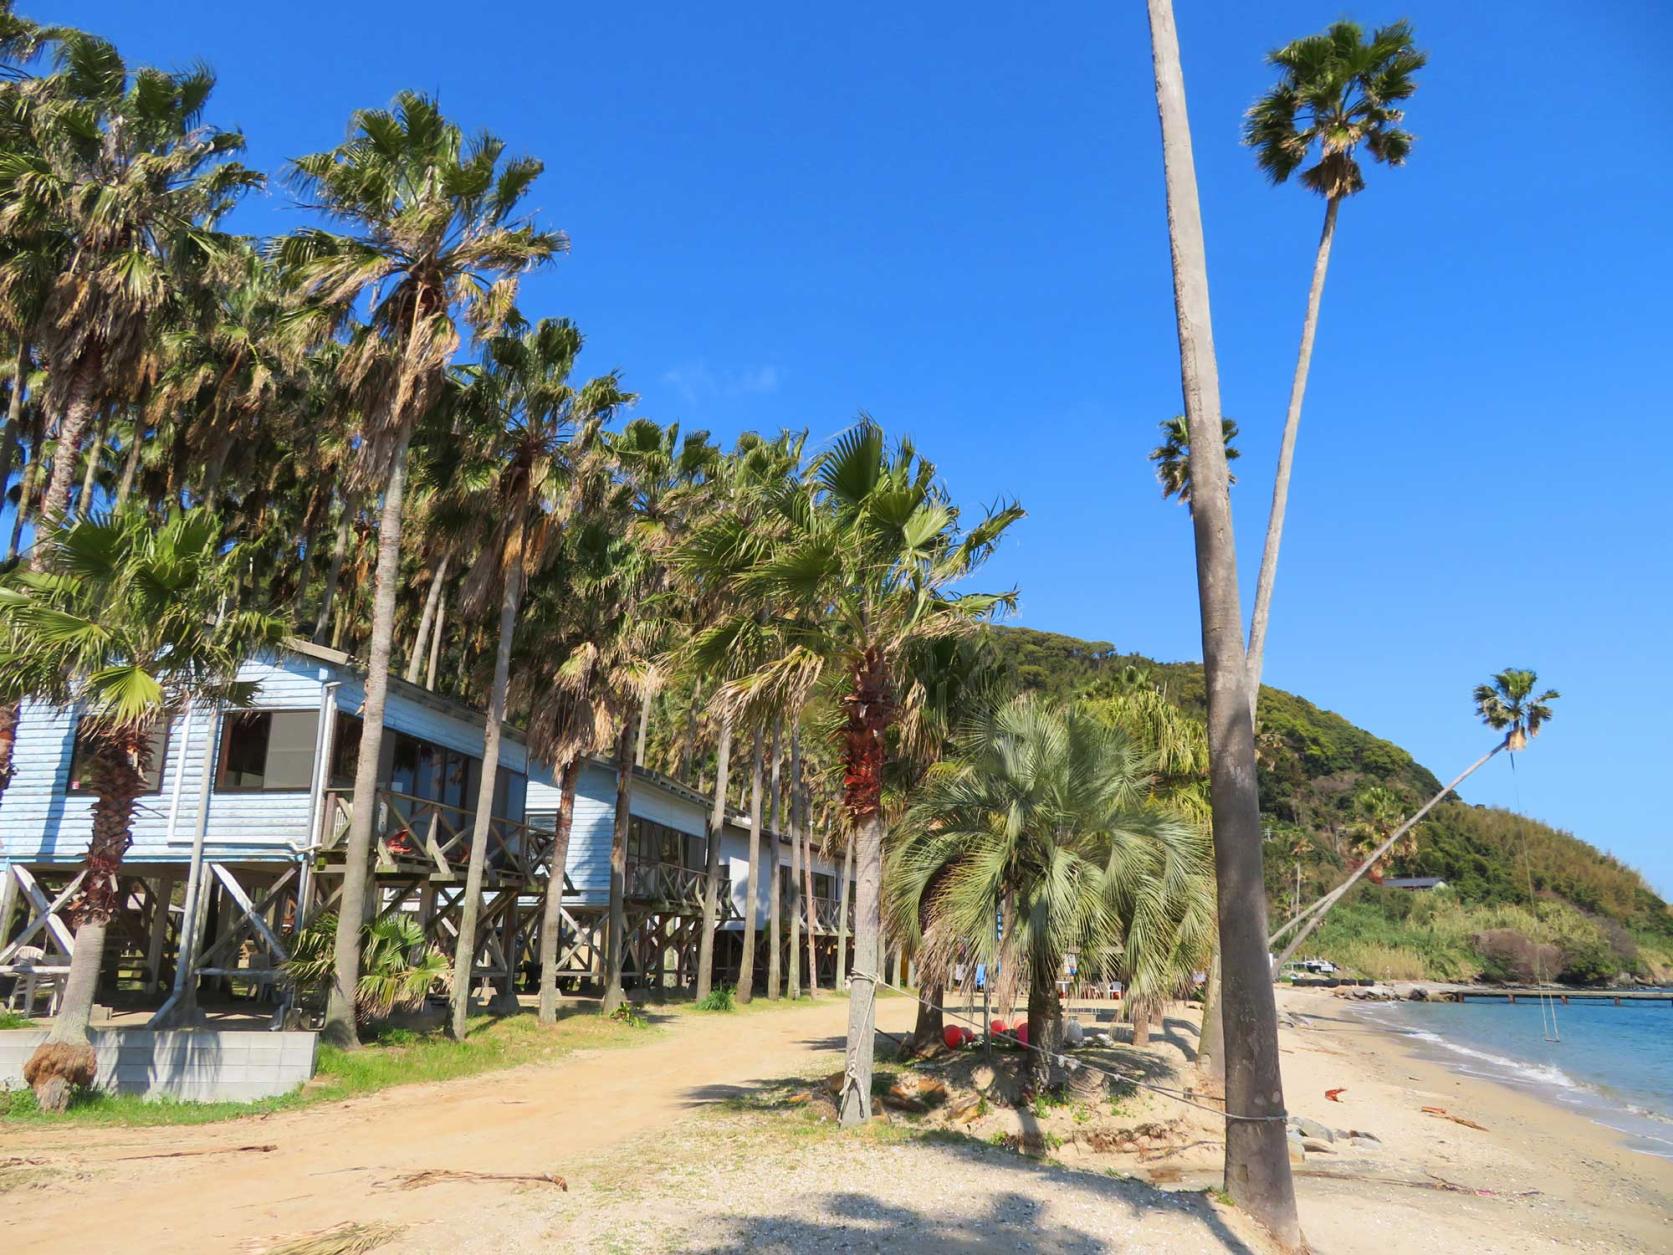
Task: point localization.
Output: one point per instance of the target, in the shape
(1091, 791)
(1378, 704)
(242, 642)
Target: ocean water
(1612, 1064)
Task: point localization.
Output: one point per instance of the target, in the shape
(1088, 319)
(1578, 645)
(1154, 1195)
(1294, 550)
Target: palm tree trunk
(1313, 915)
(552, 912)
(688, 743)
(334, 574)
(216, 469)
(339, 1027)
(25, 494)
(1211, 1041)
(865, 727)
(14, 414)
(746, 961)
(615, 956)
(1045, 1028)
(711, 864)
(464, 954)
(415, 662)
(66, 1059)
(80, 404)
(795, 912)
(926, 1032)
(436, 638)
(775, 891)
(845, 893)
(1286, 457)
(84, 501)
(644, 730)
(1257, 1164)
(130, 464)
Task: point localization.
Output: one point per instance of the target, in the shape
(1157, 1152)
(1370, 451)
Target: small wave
(1543, 1073)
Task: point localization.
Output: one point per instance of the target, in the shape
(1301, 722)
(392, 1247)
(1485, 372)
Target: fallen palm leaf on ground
(348, 1238)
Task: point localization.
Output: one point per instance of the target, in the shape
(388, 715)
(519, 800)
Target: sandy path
(329, 1159)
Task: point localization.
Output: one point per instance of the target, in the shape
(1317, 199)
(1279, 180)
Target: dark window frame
(225, 744)
(159, 761)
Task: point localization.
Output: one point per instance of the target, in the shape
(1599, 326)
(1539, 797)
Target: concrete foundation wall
(200, 1065)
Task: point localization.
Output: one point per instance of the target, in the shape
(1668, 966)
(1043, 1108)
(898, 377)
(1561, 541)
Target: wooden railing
(409, 828)
(827, 916)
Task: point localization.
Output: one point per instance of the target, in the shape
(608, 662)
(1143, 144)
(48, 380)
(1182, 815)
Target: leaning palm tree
(1173, 457)
(1506, 704)
(1257, 1164)
(863, 565)
(433, 235)
(524, 427)
(1336, 91)
(1045, 822)
(125, 621)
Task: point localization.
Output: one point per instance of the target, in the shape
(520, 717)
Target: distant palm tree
(436, 240)
(1509, 705)
(125, 622)
(1173, 457)
(1336, 91)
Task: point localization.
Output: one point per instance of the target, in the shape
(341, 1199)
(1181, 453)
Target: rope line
(1547, 1023)
(1071, 1062)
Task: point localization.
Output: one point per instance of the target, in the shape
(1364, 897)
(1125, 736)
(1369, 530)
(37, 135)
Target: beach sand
(1550, 1178)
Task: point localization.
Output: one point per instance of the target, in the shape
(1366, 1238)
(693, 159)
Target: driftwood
(438, 1176)
(258, 1149)
(1444, 1114)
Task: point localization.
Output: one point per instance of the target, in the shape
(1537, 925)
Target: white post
(185, 964)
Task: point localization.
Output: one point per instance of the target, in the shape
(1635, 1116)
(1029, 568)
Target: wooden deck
(1613, 996)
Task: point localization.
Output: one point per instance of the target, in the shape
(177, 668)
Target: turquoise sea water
(1612, 1064)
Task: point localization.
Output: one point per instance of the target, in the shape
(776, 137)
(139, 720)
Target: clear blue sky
(951, 216)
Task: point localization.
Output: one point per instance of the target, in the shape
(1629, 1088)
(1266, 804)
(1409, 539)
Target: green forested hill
(1598, 916)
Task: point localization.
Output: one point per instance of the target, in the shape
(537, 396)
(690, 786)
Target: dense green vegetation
(1598, 913)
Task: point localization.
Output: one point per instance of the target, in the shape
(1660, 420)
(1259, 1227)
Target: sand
(653, 1163)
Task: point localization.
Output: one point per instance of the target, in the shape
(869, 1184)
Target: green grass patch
(15, 1019)
(392, 1057)
(722, 999)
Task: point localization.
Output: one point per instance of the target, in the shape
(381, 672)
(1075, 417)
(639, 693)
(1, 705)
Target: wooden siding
(41, 821)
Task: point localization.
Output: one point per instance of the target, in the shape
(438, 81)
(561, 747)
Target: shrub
(718, 999)
(1509, 957)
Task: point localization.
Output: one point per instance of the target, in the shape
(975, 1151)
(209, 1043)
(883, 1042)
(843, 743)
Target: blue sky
(951, 216)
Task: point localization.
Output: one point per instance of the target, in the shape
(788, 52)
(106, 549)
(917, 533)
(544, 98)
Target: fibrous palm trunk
(1286, 458)
(615, 949)
(66, 1059)
(775, 904)
(339, 1027)
(746, 960)
(795, 904)
(1045, 1027)
(551, 916)
(711, 864)
(866, 722)
(25, 495)
(80, 404)
(334, 573)
(130, 465)
(14, 414)
(1257, 1155)
(845, 895)
(482, 825)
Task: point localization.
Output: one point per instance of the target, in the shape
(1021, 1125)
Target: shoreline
(1535, 1172)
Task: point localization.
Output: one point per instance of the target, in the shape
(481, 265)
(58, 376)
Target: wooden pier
(1614, 996)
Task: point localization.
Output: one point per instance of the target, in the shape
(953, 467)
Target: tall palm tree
(1045, 821)
(1257, 1158)
(433, 234)
(1173, 457)
(1336, 91)
(1506, 704)
(525, 427)
(126, 180)
(863, 566)
(125, 621)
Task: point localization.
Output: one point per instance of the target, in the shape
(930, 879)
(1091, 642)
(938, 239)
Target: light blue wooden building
(241, 834)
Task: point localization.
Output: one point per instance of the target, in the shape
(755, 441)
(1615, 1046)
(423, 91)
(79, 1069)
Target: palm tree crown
(1508, 704)
(1336, 92)
(1173, 457)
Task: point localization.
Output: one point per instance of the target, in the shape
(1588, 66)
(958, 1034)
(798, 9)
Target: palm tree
(125, 622)
(1045, 821)
(1257, 1159)
(1335, 91)
(125, 181)
(1506, 704)
(1509, 705)
(525, 427)
(435, 238)
(861, 566)
(1377, 812)
(1173, 457)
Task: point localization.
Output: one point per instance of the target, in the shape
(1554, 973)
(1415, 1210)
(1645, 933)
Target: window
(153, 774)
(345, 751)
(510, 794)
(823, 887)
(271, 750)
(433, 772)
(651, 842)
